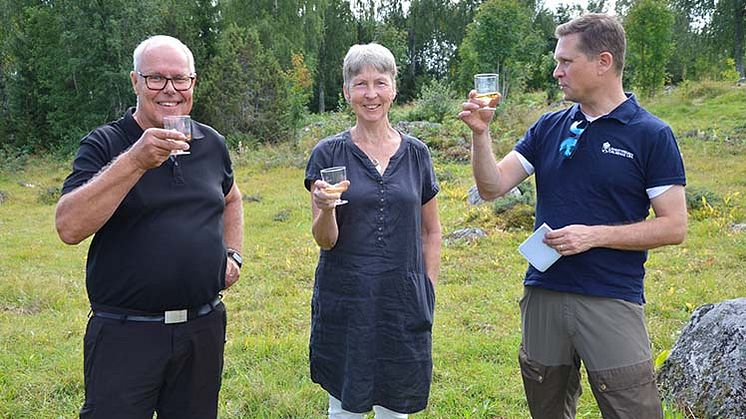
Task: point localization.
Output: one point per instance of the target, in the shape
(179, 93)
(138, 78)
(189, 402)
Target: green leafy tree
(338, 34)
(649, 27)
(727, 30)
(68, 63)
(431, 43)
(197, 24)
(720, 24)
(501, 39)
(687, 43)
(244, 90)
(279, 24)
(300, 90)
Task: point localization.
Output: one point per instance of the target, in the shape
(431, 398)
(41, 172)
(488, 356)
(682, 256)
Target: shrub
(49, 195)
(246, 91)
(434, 103)
(698, 198)
(702, 89)
(520, 217)
(13, 159)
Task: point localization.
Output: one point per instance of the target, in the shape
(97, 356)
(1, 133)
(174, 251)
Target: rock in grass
(706, 370)
(3, 197)
(469, 234)
(474, 198)
(735, 227)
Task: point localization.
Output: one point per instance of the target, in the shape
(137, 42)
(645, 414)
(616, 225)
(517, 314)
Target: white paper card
(538, 254)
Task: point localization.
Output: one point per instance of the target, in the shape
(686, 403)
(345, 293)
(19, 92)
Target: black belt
(168, 317)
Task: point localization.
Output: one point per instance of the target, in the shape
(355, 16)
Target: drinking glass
(334, 176)
(487, 88)
(181, 123)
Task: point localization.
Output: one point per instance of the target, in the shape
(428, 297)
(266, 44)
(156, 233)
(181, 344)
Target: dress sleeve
(318, 160)
(430, 186)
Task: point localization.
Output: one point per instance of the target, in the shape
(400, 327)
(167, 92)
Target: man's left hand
(232, 272)
(572, 239)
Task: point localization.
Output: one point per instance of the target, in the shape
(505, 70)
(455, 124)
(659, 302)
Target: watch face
(237, 258)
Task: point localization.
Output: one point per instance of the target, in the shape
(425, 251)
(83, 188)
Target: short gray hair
(361, 56)
(160, 40)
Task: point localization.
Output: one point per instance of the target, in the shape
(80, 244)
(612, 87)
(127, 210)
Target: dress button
(381, 199)
(603, 387)
(380, 238)
(381, 190)
(380, 218)
(380, 182)
(381, 209)
(380, 228)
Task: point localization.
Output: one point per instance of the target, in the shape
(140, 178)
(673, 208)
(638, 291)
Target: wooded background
(264, 64)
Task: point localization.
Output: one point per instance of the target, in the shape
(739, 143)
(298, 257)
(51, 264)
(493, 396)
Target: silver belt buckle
(175, 316)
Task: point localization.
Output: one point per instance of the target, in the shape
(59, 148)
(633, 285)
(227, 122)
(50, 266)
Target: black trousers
(133, 369)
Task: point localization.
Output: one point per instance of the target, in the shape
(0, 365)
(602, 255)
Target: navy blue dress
(372, 305)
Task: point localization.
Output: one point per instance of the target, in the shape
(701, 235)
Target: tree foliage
(500, 39)
(649, 26)
(263, 64)
(245, 90)
(710, 32)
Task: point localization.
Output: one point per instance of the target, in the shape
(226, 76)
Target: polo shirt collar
(131, 127)
(134, 131)
(622, 113)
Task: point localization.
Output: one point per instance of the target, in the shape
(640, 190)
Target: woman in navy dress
(373, 297)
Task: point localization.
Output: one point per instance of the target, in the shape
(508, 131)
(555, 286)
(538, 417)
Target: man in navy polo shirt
(167, 234)
(599, 165)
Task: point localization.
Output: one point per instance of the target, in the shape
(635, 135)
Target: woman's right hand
(323, 198)
(473, 116)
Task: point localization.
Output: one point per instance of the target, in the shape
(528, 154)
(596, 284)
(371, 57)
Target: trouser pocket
(627, 392)
(551, 391)
(91, 342)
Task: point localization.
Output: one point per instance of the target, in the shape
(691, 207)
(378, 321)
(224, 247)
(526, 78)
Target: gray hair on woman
(361, 56)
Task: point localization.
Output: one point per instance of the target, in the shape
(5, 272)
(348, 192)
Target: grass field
(43, 305)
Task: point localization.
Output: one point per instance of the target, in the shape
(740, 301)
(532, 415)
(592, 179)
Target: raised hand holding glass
(487, 88)
(334, 177)
(181, 123)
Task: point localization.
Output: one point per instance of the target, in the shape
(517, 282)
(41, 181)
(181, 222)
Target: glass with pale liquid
(181, 123)
(334, 177)
(487, 88)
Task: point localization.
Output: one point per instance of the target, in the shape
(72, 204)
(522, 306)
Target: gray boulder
(738, 227)
(473, 197)
(706, 370)
(410, 127)
(469, 235)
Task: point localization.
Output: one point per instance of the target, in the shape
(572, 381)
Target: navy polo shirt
(163, 248)
(618, 158)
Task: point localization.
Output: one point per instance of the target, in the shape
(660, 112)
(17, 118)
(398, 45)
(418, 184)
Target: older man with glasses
(599, 165)
(167, 235)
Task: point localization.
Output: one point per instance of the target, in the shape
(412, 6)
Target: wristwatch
(233, 254)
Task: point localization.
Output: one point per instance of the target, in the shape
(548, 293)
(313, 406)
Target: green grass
(43, 305)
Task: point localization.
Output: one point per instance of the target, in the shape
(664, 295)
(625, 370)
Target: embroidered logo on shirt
(606, 148)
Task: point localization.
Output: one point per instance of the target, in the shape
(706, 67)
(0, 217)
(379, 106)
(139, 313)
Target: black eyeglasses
(570, 144)
(158, 82)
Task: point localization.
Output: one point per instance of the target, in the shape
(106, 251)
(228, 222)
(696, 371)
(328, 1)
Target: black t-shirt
(163, 247)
